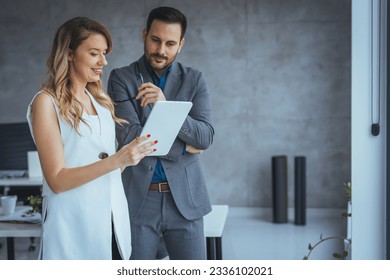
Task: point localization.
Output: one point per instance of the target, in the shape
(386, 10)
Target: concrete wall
(278, 70)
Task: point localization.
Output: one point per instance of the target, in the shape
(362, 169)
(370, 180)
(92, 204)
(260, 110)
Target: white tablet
(164, 123)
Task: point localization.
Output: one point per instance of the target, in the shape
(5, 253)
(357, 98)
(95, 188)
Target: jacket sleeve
(197, 129)
(121, 93)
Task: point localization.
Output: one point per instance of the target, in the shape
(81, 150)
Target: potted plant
(35, 202)
(346, 239)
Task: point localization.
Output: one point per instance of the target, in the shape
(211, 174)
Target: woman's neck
(78, 90)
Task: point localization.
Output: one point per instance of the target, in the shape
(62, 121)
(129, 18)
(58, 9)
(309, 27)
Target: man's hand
(149, 94)
(192, 150)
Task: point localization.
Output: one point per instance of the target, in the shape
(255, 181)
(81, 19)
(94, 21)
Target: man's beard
(160, 67)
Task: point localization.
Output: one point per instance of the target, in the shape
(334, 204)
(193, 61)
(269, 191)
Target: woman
(73, 125)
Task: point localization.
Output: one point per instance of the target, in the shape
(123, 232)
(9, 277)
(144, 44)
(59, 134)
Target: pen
(142, 81)
(142, 78)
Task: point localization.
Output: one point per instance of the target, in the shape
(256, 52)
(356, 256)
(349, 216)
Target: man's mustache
(157, 55)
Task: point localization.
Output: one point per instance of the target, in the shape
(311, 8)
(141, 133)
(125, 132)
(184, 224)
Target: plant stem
(311, 248)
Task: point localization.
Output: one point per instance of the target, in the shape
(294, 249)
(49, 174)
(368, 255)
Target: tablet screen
(164, 123)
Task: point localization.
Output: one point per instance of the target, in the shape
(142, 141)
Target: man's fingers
(146, 88)
(146, 85)
(149, 98)
(148, 101)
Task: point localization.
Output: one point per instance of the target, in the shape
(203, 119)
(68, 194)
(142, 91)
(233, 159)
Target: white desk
(214, 223)
(16, 226)
(12, 230)
(20, 181)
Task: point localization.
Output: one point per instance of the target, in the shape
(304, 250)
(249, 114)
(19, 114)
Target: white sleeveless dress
(77, 223)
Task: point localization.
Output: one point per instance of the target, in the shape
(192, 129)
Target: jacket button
(103, 155)
(150, 168)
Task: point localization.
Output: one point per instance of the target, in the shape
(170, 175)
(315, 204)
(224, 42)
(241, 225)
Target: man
(167, 195)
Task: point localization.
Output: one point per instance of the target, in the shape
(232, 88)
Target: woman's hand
(132, 153)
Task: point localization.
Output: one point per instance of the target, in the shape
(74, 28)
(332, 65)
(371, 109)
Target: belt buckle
(159, 187)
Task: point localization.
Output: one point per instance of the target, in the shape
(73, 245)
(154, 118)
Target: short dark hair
(169, 15)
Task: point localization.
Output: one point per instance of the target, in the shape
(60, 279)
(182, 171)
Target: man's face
(162, 44)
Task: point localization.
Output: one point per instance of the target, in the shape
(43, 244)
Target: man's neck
(160, 73)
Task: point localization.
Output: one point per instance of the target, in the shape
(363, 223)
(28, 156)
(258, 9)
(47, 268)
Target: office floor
(250, 235)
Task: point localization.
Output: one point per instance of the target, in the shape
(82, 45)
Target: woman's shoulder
(41, 109)
(43, 99)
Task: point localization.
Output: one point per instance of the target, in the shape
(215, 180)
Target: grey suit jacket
(183, 170)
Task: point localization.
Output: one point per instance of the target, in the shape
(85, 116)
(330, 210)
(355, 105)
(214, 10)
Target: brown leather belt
(161, 187)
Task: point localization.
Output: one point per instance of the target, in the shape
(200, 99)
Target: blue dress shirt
(159, 174)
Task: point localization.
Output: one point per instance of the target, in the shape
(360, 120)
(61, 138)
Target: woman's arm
(51, 154)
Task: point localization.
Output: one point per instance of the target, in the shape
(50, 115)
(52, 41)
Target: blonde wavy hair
(69, 36)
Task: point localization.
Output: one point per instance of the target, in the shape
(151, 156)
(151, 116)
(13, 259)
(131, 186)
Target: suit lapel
(172, 83)
(142, 70)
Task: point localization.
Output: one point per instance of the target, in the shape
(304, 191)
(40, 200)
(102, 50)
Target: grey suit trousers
(184, 238)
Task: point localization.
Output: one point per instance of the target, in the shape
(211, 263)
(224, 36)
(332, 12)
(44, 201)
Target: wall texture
(278, 70)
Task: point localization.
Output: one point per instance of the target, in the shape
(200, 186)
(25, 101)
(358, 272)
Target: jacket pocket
(196, 184)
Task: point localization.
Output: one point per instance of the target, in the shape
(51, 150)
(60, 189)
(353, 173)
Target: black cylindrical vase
(279, 189)
(300, 190)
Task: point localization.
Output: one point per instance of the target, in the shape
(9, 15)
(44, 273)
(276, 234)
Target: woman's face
(86, 63)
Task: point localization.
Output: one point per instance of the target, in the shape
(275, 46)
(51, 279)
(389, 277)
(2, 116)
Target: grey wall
(278, 70)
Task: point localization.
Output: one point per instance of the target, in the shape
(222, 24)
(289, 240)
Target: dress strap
(52, 99)
(29, 111)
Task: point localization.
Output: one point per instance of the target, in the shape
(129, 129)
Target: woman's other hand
(132, 153)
